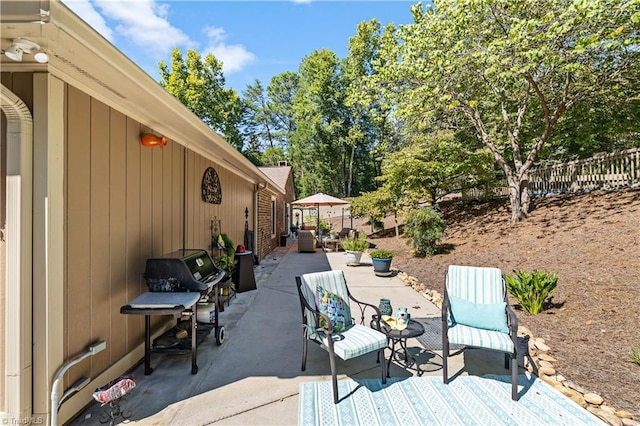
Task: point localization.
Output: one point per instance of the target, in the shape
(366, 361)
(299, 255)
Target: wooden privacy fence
(613, 170)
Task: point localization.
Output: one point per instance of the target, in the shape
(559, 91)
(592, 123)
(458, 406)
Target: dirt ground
(592, 241)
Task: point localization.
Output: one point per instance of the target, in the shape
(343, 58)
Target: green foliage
(507, 70)
(229, 247)
(376, 205)
(199, 85)
(225, 261)
(634, 355)
(382, 254)
(423, 228)
(359, 243)
(324, 227)
(531, 289)
(272, 156)
(434, 165)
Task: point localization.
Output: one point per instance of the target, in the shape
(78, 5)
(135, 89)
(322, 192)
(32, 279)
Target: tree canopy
(510, 69)
(199, 85)
(469, 89)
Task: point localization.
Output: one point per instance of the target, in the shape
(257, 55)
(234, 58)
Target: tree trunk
(519, 197)
(396, 224)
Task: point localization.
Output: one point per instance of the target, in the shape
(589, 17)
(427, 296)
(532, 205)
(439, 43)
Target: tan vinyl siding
(118, 225)
(125, 203)
(78, 268)
(134, 207)
(237, 194)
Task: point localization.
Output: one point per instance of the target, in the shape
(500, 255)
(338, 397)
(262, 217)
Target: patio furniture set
(475, 313)
(308, 240)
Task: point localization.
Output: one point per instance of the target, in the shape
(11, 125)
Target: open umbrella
(318, 200)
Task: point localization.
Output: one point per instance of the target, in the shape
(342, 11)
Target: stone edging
(539, 362)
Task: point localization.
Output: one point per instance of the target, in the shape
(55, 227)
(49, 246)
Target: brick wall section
(264, 241)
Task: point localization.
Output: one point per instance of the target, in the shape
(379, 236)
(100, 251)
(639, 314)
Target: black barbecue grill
(173, 279)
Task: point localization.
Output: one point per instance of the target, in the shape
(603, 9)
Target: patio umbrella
(320, 199)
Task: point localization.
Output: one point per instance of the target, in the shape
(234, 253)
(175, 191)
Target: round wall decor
(211, 190)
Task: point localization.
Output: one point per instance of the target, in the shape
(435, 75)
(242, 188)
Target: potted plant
(354, 246)
(381, 259)
(227, 262)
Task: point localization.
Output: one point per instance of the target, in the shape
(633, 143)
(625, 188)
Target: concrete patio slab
(254, 376)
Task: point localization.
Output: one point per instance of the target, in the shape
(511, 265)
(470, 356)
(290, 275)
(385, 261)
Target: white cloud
(90, 15)
(144, 23)
(234, 57)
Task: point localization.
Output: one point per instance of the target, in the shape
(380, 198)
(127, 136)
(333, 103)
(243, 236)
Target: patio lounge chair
(327, 321)
(476, 313)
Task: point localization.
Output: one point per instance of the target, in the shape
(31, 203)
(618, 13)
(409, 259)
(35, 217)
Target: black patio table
(399, 337)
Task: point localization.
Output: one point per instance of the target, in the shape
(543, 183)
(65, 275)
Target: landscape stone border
(538, 361)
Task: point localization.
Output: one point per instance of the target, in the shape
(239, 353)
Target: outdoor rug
(466, 400)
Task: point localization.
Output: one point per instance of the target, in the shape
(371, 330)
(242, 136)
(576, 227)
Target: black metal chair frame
(375, 324)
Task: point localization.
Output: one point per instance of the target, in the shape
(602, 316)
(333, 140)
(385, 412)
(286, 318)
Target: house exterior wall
(122, 203)
(288, 198)
(265, 240)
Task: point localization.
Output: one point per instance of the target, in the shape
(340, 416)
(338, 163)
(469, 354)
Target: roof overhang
(83, 58)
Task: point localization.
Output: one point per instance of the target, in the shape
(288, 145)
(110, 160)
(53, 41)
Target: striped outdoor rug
(466, 400)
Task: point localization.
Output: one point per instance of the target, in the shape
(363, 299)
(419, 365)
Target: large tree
(199, 85)
(509, 68)
(317, 148)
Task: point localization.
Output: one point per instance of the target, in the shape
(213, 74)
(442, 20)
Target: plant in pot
(354, 246)
(381, 259)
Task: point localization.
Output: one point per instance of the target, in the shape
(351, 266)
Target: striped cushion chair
(327, 320)
(476, 313)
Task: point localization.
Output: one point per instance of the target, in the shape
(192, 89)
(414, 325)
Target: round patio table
(399, 337)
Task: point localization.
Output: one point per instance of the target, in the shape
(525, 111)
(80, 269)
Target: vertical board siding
(176, 195)
(99, 234)
(237, 194)
(118, 229)
(78, 288)
(156, 200)
(134, 261)
(125, 204)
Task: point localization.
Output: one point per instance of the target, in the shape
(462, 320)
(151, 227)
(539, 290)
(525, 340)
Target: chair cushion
(487, 316)
(335, 307)
(469, 336)
(355, 341)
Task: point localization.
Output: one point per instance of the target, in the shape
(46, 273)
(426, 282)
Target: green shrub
(634, 355)
(359, 243)
(531, 289)
(423, 227)
(382, 254)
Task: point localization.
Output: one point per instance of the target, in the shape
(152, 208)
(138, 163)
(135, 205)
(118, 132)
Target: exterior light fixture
(41, 57)
(21, 46)
(150, 141)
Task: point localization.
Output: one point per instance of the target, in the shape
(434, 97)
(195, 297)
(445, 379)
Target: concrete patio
(254, 376)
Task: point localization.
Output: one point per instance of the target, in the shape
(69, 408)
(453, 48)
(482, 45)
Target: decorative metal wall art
(211, 190)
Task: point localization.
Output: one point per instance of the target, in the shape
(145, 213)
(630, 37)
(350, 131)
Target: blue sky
(253, 39)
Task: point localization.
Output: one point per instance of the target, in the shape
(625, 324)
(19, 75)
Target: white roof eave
(83, 58)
